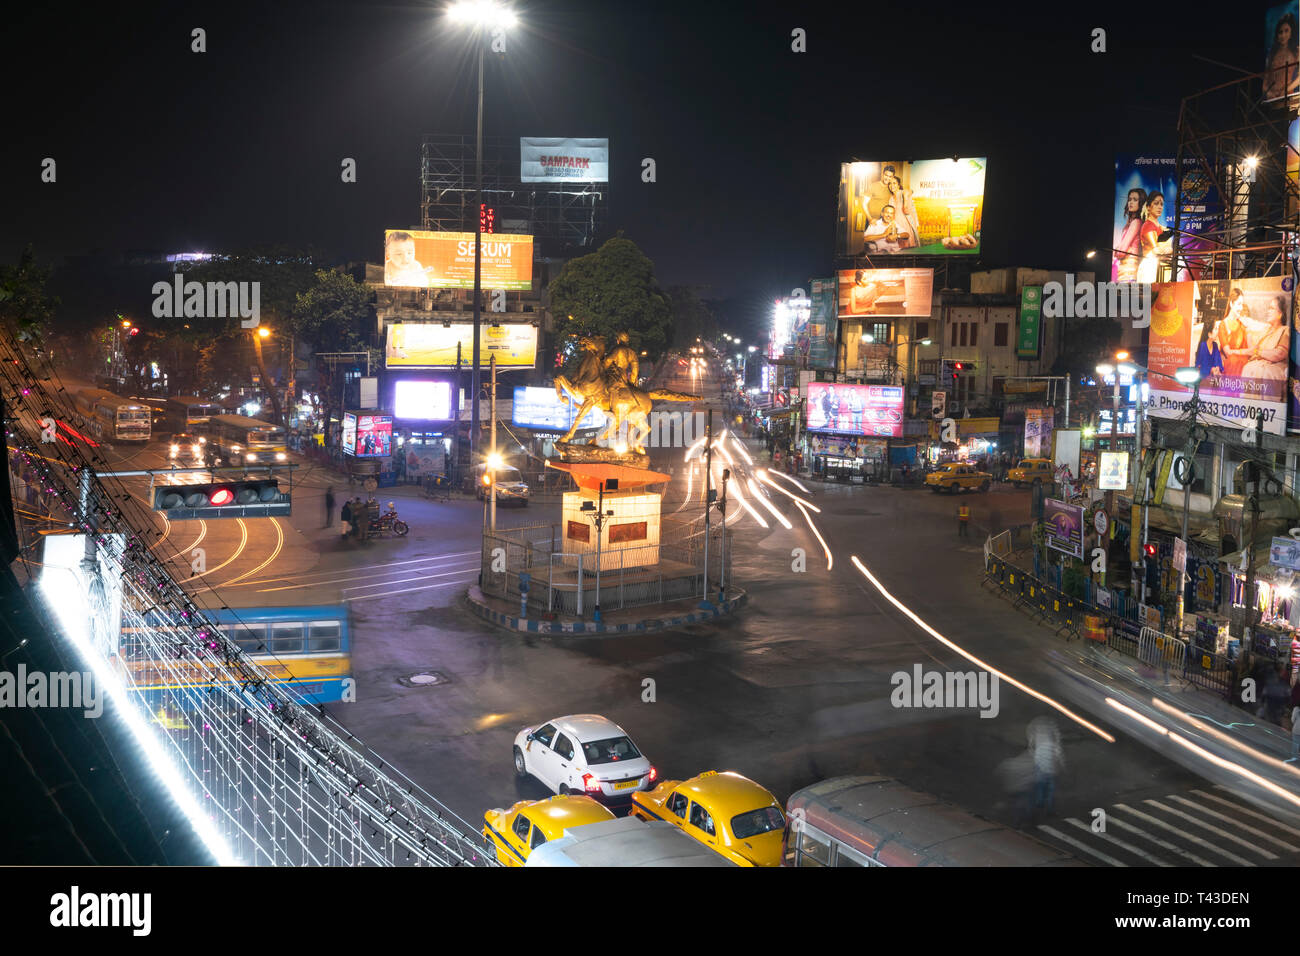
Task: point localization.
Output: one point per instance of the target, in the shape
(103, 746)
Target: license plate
(625, 785)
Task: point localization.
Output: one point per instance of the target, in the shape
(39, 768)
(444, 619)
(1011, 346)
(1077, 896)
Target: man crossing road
(963, 521)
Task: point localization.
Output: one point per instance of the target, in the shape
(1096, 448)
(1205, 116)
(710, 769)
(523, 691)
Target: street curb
(478, 604)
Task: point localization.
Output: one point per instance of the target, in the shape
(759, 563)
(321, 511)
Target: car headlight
(250, 457)
(279, 456)
(176, 449)
(197, 449)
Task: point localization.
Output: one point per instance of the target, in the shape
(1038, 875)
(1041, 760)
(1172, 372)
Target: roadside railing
(1118, 629)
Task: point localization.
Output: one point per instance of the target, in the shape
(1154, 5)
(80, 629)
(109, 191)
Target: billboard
(435, 345)
(417, 400)
(1031, 316)
(1282, 59)
(1038, 431)
(869, 410)
(536, 407)
(885, 292)
(366, 435)
(1064, 526)
(1238, 333)
(929, 207)
(1113, 474)
(1293, 168)
(545, 160)
(823, 324)
(418, 259)
(1145, 191)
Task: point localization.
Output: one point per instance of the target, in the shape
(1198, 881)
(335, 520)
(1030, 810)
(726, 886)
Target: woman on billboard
(1208, 356)
(1124, 264)
(1231, 335)
(1153, 249)
(1268, 358)
(904, 208)
(1282, 72)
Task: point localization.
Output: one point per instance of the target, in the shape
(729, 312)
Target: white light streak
(769, 506)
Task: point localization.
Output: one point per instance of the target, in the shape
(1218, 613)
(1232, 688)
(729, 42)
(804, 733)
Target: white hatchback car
(584, 753)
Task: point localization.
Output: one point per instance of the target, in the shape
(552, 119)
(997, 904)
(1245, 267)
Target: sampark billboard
(435, 345)
(924, 208)
(548, 160)
(418, 259)
(868, 410)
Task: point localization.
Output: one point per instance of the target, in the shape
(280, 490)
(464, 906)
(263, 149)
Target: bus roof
(626, 841)
(194, 400)
(242, 421)
(898, 826)
(101, 396)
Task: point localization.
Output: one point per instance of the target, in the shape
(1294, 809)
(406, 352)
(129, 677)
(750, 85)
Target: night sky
(162, 149)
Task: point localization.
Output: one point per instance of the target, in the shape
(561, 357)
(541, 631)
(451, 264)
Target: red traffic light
(221, 496)
(958, 366)
(135, 331)
(1149, 550)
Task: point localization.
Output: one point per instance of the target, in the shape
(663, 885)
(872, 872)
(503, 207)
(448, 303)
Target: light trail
(243, 543)
(1225, 738)
(830, 559)
(769, 506)
(279, 546)
(795, 481)
(740, 447)
(763, 477)
(1204, 754)
(975, 660)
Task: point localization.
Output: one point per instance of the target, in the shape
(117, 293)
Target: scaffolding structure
(1237, 209)
(563, 218)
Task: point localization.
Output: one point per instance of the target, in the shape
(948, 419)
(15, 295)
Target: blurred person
(1049, 760)
(963, 521)
(329, 506)
(358, 519)
(1295, 731)
(346, 527)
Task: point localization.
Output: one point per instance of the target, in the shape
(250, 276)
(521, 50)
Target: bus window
(251, 638)
(286, 638)
(324, 636)
(811, 850)
(844, 856)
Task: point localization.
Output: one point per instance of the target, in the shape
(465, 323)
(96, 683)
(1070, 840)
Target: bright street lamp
(481, 16)
(1188, 376)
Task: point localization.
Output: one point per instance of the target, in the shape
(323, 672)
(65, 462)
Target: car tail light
(654, 774)
(590, 783)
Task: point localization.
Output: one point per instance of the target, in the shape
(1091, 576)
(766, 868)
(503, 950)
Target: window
(545, 734)
(563, 747)
(607, 751)
(974, 334)
(879, 333)
(754, 822)
(811, 851)
(324, 636)
(520, 827)
(677, 804)
(538, 838)
(251, 638)
(952, 334)
(963, 333)
(286, 639)
(1000, 333)
(701, 820)
(922, 330)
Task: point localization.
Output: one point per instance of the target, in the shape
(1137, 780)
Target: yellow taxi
(516, 832)
(1031, 470)
(726, 812)
(957, 476)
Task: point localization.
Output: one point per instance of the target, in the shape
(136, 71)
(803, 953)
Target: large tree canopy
(612, 290)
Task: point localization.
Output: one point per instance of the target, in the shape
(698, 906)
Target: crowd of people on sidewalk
(358, 517)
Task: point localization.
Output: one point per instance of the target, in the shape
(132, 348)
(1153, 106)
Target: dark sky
(160, 148)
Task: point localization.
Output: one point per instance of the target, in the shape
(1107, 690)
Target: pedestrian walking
(347, 519)
(329, 506)
(963, 521)
(1049, 759)
(358, 519)
(1295, 731)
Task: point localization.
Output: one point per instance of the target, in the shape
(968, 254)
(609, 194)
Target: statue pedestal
(629, 537)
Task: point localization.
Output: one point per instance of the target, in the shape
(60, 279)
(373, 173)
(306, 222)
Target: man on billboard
(855, 409)
(400, 265)
(830, 406)
(887, 235)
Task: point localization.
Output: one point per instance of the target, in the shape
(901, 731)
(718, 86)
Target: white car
(584, 753)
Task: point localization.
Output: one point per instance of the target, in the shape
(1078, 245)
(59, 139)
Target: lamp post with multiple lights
(484, 18)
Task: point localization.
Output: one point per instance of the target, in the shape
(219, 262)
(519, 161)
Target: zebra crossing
(1214, 826)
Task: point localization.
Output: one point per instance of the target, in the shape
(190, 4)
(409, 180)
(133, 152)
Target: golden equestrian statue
(609, 382)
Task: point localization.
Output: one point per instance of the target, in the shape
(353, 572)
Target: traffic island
(666, 617)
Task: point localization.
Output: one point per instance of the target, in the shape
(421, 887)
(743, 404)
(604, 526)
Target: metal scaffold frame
(562, 217)
(264, 778)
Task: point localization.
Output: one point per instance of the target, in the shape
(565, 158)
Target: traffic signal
(224, 499)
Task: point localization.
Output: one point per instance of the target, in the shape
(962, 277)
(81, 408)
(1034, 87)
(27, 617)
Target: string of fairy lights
(264, 779)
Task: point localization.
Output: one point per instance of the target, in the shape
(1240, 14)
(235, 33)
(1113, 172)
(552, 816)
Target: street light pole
(1186, 478)
(478, 249)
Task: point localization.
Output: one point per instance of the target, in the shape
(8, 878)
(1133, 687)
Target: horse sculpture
(623, 402)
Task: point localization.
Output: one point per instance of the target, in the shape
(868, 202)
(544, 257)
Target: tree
(691, 317)
(612, 290)
(23, 300)
(332, 315)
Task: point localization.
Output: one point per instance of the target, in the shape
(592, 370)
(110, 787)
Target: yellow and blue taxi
(728, 813)
(958, 476)
(516, 832)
